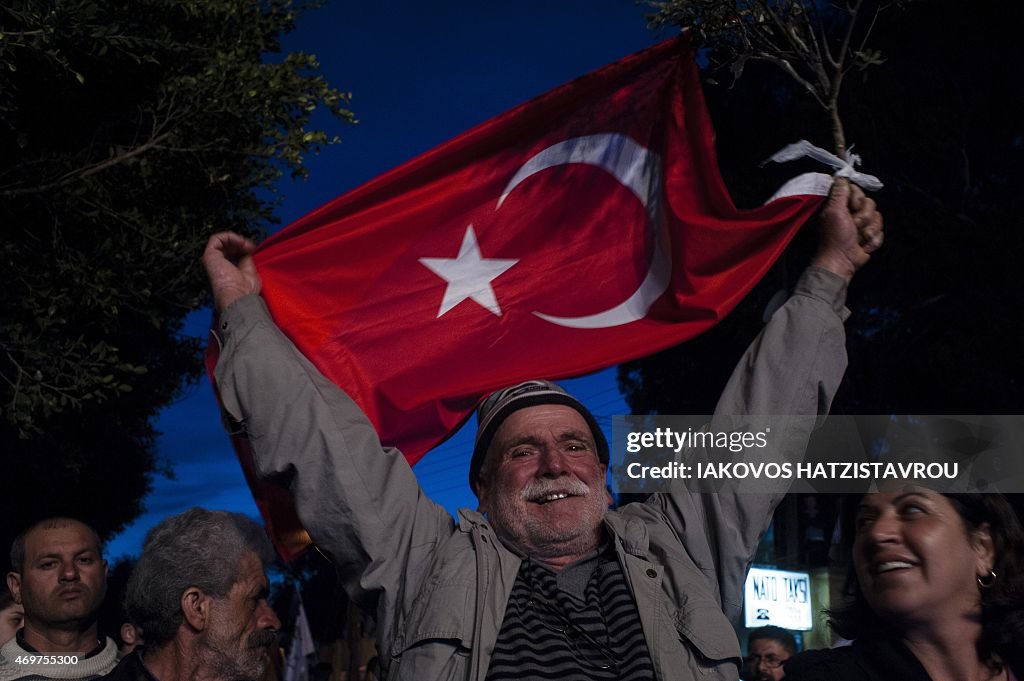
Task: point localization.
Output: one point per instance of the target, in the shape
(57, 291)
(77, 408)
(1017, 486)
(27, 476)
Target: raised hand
(851, 230)
(230, 268)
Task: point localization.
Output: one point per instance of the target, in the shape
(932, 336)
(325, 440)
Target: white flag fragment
(845, 167)
(296, 667)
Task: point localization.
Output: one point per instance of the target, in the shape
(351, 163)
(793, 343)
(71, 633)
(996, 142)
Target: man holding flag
(544, 581)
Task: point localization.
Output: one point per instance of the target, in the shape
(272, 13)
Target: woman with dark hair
(936, 591)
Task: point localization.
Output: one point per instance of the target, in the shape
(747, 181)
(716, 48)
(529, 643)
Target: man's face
(766, 658)
(542, 484)
(64, 578)
(242, 626)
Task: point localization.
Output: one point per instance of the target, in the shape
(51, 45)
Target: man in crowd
(199, 592)
(768, 649)
(60, 578)
(544, 581)
(131, 638)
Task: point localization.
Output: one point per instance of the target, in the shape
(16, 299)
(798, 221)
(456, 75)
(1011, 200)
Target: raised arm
(793, 368)
(359, 501)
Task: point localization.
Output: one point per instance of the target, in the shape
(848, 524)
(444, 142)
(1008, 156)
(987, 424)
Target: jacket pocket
(710, 640)
(437, 640)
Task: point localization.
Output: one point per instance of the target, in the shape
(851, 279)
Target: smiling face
(243, 626)
(63, 580)
(542, 484)
(915, 559)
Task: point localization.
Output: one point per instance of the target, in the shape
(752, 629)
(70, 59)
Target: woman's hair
(6, 599)
(1002, 604)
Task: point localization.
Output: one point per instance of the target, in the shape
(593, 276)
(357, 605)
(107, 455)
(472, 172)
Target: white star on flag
(469, 275)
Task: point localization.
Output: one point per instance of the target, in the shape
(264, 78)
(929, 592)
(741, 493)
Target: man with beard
(199, 592)
(544, 582)
(60, 578)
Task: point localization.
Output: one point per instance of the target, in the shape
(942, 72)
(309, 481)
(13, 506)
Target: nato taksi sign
(777, 597)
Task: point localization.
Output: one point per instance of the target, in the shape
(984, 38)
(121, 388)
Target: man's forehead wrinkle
(59, 548)
(250, 575)
(40, 533)
(55, 547)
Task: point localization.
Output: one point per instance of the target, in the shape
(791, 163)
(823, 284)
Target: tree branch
(88, 171)
(788, 68)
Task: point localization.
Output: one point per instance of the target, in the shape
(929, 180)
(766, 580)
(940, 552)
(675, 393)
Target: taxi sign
(778, 597)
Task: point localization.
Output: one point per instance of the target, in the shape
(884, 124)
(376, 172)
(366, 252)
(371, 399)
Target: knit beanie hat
(499, 405)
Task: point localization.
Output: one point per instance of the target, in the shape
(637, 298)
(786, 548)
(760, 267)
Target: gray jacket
(439, 589)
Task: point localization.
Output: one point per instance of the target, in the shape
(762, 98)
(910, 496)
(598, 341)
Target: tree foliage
(130, 130)
(936, 325)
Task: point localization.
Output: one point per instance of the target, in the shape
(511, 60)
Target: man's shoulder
(10, 652)
(634, 521)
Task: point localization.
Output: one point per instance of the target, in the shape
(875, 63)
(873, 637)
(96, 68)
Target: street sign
(778, 597)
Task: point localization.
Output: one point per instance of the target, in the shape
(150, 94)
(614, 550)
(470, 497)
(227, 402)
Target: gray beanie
(499, 405)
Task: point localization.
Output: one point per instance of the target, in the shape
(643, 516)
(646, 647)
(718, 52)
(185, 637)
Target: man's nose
(69, 571)
(552, 463)
(267, 618)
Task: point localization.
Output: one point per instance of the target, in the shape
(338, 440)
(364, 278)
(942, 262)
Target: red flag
(584, 228)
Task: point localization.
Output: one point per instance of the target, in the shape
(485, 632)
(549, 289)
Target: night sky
(420, 73)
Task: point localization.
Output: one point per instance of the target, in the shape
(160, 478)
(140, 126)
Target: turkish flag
(584, 228)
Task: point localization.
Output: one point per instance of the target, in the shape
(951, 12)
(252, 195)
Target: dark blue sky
(420, 73)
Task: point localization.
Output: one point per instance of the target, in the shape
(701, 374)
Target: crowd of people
(936, 590)
(543, 580)
(196, 603)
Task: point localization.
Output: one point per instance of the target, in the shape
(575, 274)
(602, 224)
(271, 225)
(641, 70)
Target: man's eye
(48, 565)
(519, 453)
(86, 560)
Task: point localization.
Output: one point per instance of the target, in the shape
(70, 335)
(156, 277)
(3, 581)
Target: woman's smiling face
(915, 558)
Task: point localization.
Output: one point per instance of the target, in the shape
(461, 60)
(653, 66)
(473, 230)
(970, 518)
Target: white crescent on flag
(639, 170)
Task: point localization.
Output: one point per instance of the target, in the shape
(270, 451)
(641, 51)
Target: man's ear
(14, 586)
(984, 546)
(607, 492)
(483, 496)
(195, 608)
(128, 633)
